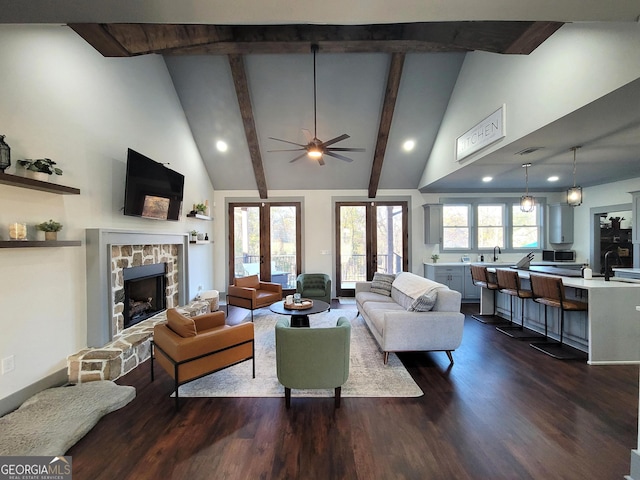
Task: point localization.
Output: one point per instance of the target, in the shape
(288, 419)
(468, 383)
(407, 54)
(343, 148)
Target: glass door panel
(389, 239)
(370, 237)
(283, 245)
(246, 241)
(265, 241)
(352, 246)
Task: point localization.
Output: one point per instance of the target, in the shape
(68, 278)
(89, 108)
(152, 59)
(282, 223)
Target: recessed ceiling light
(408, 145)
(487, 179)
(553, 178)
(221, 146)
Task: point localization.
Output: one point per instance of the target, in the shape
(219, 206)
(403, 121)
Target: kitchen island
(611, 331)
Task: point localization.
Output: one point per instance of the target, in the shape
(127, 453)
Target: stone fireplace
(144, 292)
(112, 255)
(109, 254)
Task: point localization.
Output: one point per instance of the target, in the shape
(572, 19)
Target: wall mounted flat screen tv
(151, 189)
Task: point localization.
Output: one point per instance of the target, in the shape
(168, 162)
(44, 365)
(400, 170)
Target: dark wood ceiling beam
(246, 111)
(99, 38)
(388, 107)
(176, 39)
(533, 37)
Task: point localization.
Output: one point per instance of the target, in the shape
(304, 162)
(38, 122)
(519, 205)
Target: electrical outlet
(8, 364)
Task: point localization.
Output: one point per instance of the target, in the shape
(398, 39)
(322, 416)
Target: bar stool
(549, 291)
(509, 284)
(481, 277)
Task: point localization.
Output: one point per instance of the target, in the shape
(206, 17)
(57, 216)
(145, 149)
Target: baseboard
(13, 401)
(635, 465)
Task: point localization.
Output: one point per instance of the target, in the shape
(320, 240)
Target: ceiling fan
(316, 148)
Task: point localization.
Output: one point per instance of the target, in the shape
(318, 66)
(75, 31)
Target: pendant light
(574, 194)
(527, 202)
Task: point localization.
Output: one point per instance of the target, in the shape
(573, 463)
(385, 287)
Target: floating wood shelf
(199, 216)
(199, 242)
(39, 243)
(16, 181)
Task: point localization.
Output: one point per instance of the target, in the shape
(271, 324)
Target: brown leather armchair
(190, 348)
(249, 292)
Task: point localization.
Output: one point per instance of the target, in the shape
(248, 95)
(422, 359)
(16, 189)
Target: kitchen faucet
(495, 257)
(608, 271)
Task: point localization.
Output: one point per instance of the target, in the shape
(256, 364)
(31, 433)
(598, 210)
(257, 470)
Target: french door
(370, 237)
(264, 240)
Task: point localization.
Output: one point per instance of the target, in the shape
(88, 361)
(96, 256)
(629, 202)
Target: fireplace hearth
(144, 292)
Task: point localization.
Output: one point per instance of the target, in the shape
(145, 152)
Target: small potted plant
(200, 208)
(435, 257)
(40, 168)
(194, 235)
(50, 229)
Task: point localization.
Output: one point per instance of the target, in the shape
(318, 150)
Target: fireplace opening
(144, 292)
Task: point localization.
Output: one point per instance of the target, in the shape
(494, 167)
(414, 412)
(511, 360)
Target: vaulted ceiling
(366, 83)
(243, 71)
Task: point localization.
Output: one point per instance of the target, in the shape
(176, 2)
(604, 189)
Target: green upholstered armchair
(314, 286)
(313, 357)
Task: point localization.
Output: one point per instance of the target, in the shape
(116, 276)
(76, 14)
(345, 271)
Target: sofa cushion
(381, 283)
(364, 297)
(376, 312)
(183, 326)
(424, 303)
(252, 281)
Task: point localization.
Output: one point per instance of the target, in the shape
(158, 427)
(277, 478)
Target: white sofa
(397, 329)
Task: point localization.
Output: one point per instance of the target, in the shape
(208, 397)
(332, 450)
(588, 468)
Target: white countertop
(502, 264)
(578, 282)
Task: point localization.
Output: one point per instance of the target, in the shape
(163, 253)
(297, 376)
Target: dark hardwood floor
(503, 411)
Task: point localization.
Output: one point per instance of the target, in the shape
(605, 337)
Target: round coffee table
(299, 318)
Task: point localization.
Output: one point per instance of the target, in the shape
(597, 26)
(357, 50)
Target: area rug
(368, 375)
(51, 421)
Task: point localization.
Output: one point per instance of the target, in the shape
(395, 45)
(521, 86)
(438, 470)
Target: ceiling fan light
(315, 154)
(574, 196)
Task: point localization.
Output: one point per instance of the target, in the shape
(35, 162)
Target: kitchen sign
(488, 131)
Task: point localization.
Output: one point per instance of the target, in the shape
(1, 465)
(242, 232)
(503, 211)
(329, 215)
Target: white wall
(63, 100)
(575, 66)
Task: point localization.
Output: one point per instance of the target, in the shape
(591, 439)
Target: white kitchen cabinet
(432, 223)
(560, 223)
(471, 291)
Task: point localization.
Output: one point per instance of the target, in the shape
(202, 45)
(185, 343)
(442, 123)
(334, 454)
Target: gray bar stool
(549, 291)
(481, 277)
(509, 284)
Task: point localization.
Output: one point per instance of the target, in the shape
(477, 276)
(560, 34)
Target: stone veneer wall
(123, 354)
(126, 256)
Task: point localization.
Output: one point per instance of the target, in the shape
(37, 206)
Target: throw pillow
(183, 326)
(424, 303)
(381, 283)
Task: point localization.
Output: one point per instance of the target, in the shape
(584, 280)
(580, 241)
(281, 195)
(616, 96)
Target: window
(483, 223)
(526, 231)
(456, 227)
(490, 226)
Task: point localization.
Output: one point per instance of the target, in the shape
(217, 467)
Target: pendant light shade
(574, 194)
(527, 202)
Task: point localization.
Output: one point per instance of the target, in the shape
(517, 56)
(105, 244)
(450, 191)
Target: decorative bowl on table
(303, 305)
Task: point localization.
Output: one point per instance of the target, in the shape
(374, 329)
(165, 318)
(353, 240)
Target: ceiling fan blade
(287, 150)
(341, 157)
(344, 136)
(298, 157)
(321, 161)
(287, 141)
(346, 149)
(307, 135)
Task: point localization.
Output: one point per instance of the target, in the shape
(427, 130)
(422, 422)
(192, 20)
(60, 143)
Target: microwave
(559, 255)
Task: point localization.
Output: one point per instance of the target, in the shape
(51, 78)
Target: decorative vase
(5, 155)
(18, 231)
(50, 236)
